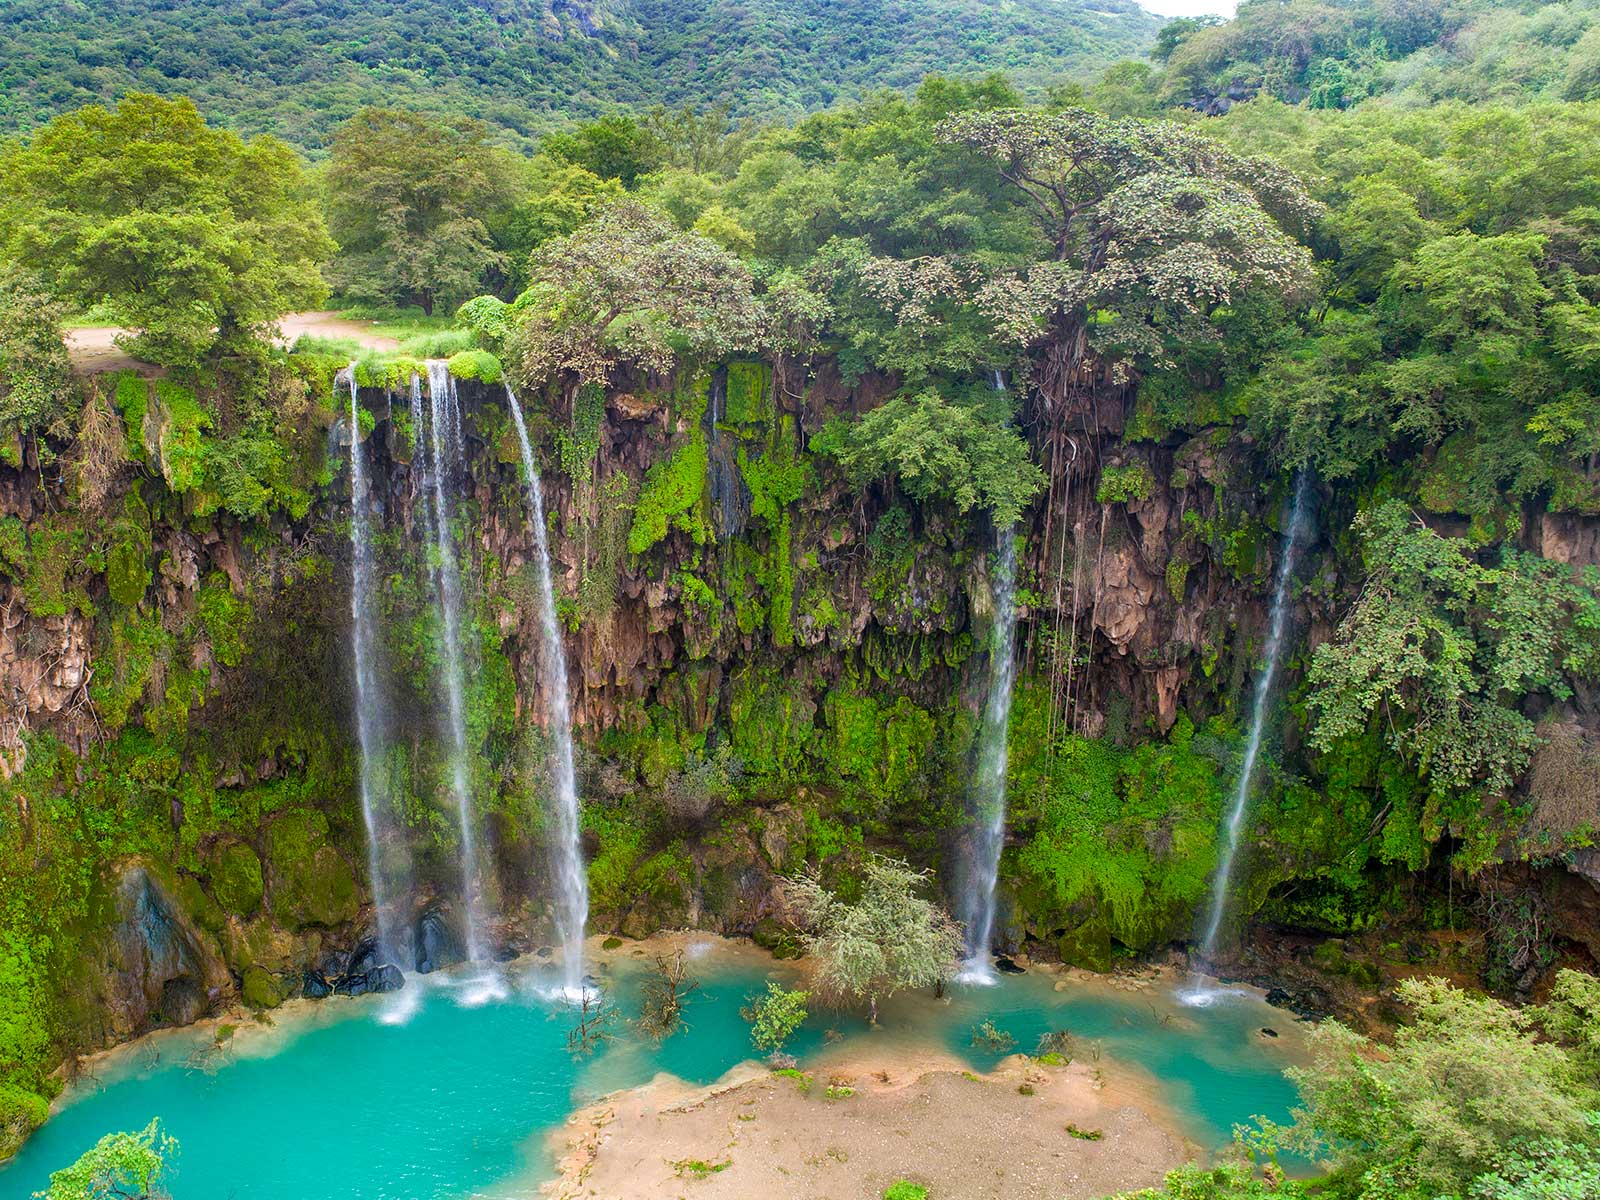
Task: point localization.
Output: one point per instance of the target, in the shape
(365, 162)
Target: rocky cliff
(769, 669)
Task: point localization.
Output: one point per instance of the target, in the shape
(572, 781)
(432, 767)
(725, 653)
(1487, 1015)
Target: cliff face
(768, 669)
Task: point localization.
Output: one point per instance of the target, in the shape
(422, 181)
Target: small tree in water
(663, 996)
(887, 940)
(774, 1017)
(124, 1166)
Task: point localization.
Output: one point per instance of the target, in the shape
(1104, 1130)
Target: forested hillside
(297, 69)
(1336, 54)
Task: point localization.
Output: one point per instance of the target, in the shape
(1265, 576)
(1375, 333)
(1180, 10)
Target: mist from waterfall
(566, 851)
(989, 783)
(369, 698)
(443, 459)
(1277, 621)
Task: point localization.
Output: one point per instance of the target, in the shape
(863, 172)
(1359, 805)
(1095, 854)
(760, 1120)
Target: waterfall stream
(989, 784)
(369, 701)
(443, 457)
(1276, 623)
(566, 852)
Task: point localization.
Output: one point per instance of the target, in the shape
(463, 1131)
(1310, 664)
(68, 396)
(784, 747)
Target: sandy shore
(757, 1134)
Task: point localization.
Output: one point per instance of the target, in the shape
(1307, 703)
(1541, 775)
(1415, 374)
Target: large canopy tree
(185, 233)
(1153, 229)
(407, 196)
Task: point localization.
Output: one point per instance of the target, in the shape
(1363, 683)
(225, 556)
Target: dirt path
(95, 350)
(1004, 1136)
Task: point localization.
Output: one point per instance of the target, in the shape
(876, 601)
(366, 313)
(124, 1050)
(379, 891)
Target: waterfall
(1276, 622)
(989, 793)
(566, 852)
(369, 701)
(444, 455)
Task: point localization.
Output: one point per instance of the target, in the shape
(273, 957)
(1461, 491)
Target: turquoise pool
(344, 1099)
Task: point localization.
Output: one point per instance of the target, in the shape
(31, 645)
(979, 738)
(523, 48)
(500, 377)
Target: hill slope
(298, 67)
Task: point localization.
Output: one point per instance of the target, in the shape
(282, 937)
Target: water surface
(333, 1102)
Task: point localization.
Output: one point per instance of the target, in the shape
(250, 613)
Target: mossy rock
(192, 899)
(236, 879)
(1087, 946)
(311, 884)
(260, 988)
(21, 1112)
(776, 938)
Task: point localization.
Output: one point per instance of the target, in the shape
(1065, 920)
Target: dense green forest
(296, 70)
(790, 376)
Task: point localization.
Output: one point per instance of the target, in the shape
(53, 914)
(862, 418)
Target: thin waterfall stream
(1276, 624)
(989, 784)
(444, 457)
(369, 699)
(566, 851)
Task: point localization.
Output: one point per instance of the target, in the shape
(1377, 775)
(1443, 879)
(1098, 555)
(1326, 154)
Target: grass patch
(698, 1168)
(333, 347)
(1084, 1135)
(904, 1189)
(801, 1079)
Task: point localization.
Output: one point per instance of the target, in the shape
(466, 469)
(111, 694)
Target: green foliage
(1121, 484)
(121, 1166)
(886, 939)
(629, 287)
(405, 194)
(35, 385)
(775, 1016)
(1444, 647)
(189, 235)
(904, 1189)
(479, 365)
(21, 1112)
(1128, 835)
(1468, 1087)
(960, 451)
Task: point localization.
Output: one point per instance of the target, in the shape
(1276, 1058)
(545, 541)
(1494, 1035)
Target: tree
(1473, 1099)
(35, 373)
(775, 1016)
(1153, 229)
(886, 940)
(629, 287)
(1443, 648)
(615, 147)
(189, 235)
(963, 451)
(407, 197)
(1469, 1078)
(122, 1166)
(561, 198)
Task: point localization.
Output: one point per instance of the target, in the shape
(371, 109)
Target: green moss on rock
(260, 988)
(236, 879)
(311, 884)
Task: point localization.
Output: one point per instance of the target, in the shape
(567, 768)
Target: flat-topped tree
(192, 237)
(1153, 227)
(627, 287)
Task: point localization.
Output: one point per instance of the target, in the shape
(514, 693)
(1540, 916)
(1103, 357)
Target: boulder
(236, 879)
(152, 965)
(310, 882)
(314, 985)
(436, 941)
(260, 988)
